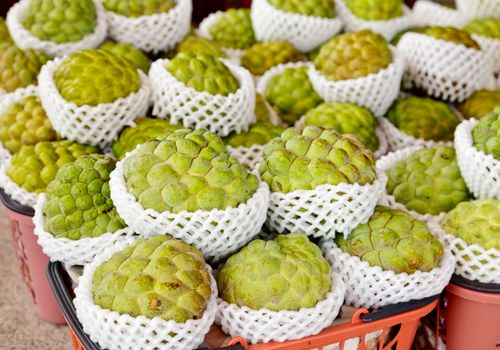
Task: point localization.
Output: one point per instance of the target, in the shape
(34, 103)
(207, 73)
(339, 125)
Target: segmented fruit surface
(488, 27)
(486, 134)
(318, 8)
(137, 8)
(199, 45)
(234, 29)
(130, 53)
(453, 35)
(376, 10)
(259, 133)
(480, 104)
(262, 56)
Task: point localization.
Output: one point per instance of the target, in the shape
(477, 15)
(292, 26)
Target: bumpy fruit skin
(262, 112)
(4, 31)
(137, 8)
(346, 118)
(155, 277)
(262, 56)
(287, 273)
(130, 53)
(423, 118)
(234, 29)
(259, 133)
(187, 170)
(476, 222)
(353, 55)
(303, 161)
(198, 45)
(400, 34)
(34, 167)
(486, 134)
(92, 77)
(78, 200)
(60, 21)
(376, 10)
(318, 8)
(480, 104)
(453, 35)
(428, 181)
(488, 27)
(393, 240)
(291, 94)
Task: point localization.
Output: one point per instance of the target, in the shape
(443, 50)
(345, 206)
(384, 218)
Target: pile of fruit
(157, 158)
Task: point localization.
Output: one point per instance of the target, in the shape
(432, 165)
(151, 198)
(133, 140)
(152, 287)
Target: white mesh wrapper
(480, 171)
(114, 331)
(4, 155)
(263, 325)
(25, 40)
(93, 125)
(153, 33)
(491, 47)
(304, 32)
(200, 110)
(376, 91)
(428, 13)
(370, 286)
(479, 8)
(276, 70)
(445, 70)
(248, 156)
(13, 190)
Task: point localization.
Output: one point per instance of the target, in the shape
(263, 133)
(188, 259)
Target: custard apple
(128, 52)
(395, 40)
(233, 29)
(318, 8)
(376, 10)
(480, 104)
(287, 273)
(486, 134)
(453, 35)
(488, 27)
(198, 45)
(137, 8)
(262, 112)
(4, 31)
(262, 56)
(259, 133)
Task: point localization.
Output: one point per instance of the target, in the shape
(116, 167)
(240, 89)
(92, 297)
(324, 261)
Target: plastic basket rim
(14, 206)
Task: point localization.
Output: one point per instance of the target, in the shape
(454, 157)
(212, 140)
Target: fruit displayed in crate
(486, 134)
(370, 10)
(137, 8)
(262, 56)
(453, 35)
(198, 45)
(480, 104)
(233, 29)
(133, 55)
(317, 8)
(487, 27)
(259, 133)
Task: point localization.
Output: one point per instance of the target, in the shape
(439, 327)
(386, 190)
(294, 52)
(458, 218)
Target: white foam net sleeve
(428, 13)
(276, 70)
(479, 8)
(200, 110)
(262, 326)
(248, 156)
(376, 91)
(480, 171)
(13, 190)
(25, 40)
(370, 286)
(305, 33)
(5, 156)
(93, 125)
(444, 69)
(491, 47)
(112, 330)
(153, 33)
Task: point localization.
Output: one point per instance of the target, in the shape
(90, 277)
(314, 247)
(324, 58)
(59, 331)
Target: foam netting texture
(200, 110)
(370, 286)
(153, 33)
(304, 32)
(480, 171)
(428, 13)
(5, 156)
(264, 325)
(93, 125)
(13, 190)
(479, 8)
(248, 156)
(25, 40)
(491, 47)
(276, 70)
(444, 69)
(112, 330)
(388, 28)
(376, 91)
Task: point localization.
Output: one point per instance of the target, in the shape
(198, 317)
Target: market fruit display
(78, 203)
(353, 55)
(318, 8)
(428, 181)
(453, 35)
(93, 77)
(4, 31)
(60, 21)
(233, 29)
(137, 8)
(155, 277)
(486, 134)
(315, 156)
(480, 104)
(287, 273)
(262, 112)
(130, 53)
(395, 241)
(198, 45)
(262, 56)
(346, 118)
(487, 27)
(374, 10)
(187, 170)
(259, 133)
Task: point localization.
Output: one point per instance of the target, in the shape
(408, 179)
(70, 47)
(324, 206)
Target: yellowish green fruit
(480, 104)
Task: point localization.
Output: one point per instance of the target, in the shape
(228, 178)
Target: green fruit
(476, 222)
(486, 134)
(400, 34)
(4, 31)
(145, 129)
(198, 45)
(318, 8)
(428, 181)
(488, 27)
(187, 170)
(60, 21)
(303, 161)
(262, 56)
(480, 104)
(453, 35)
(128, 52)
(291, 94)
(423, 118)
(34, 167)
(346, 118)
(287, 273)
(262, 112)
(395, 241)
(137, 8)
(78, 199)
(233, 29)
(155, 277)
(203, 72)
(376, 10)
(259, 133)
(353, 55)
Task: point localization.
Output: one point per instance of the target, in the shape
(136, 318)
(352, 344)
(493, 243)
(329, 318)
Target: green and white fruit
(137, 8)
(259, 133)
(318, 8)
(453, 35)
(480, 104)
(199, 45)
(486, 134)
(130, 53)
(262, 56)
(233, 29)
(376, 10)
(488, 27)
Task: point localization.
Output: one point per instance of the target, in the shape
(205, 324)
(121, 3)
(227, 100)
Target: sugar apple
(488, 27)
(4, 31)
(428, 181)
(486, 134)
(346, 118)
(395, 40)
(287, 273)
(154, 277)
(25, 123)
(313, 157)
(262, 56)
(145, 129)
(291, 94)
(259, 133)
(393, 240)
(353, 55)
(92, 77)
(480, 104)
(34, 167)
(234, 29)
(187, 170)
(198, 45)
(262, 112)
(376, 10)
(60, 21)
(130, 53)
(137, 8)
(476, 222)
(453, 35)
(423, 118)
(318, 8)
